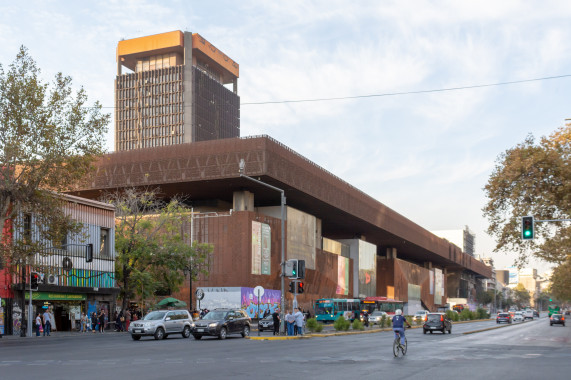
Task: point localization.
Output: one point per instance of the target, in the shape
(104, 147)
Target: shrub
(465, 315)
(358, 325)
(312, 324)
(482, 313)
(341, 324)
(319, 327)
(383, 321)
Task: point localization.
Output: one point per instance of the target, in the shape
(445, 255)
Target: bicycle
(398, 348)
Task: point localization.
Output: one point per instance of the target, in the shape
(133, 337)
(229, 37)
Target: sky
(426, 155)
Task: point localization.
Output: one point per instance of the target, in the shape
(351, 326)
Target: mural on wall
(16, 319)
(269, 301)
(342, 276)
(2, 332)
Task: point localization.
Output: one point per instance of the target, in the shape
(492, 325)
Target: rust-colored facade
(207, 173)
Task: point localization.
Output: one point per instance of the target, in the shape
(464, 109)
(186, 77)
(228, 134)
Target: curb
(493, 328)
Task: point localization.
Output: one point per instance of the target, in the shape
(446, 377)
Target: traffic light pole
(30, 316)
(242, 167)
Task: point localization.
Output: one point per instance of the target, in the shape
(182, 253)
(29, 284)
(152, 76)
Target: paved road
(524, 351)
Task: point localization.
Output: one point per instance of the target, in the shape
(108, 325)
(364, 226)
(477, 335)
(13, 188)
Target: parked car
(376, 316)
(536, 313)
(518, 316)
(221, 322)
(504, 317)
(420, 315)
(266, 324)
(162, 323)
(557, 319)
(437, 322)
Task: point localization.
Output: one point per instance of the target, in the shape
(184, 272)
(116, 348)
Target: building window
(27, 228)
(104, 243)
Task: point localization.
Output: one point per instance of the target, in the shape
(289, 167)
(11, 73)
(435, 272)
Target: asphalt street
(528, 350)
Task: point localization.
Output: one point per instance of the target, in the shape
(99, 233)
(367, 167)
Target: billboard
(367, 269)
(438, 286)
(342, 276)
(301, 233)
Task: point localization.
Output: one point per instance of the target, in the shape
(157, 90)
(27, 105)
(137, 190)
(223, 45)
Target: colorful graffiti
(269, 301)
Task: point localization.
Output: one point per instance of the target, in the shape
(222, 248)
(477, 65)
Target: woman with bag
(39, 328)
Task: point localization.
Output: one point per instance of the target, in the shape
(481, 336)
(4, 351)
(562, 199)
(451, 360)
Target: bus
(553, 309)
(329, 309)
(388, 305)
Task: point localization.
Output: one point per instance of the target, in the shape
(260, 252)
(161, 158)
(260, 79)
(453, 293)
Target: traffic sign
(259, 291)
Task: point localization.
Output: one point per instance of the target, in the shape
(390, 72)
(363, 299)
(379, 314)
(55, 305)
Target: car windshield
(215, 315)
(504, 314)
(155, 315)
(376, 313)
(420, 313)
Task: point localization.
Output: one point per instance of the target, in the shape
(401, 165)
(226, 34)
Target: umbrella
(171, 302)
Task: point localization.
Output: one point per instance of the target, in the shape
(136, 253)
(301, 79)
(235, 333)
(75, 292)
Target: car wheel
(246, 331)
(159, 334)
(186, 332)
(431, 331)
(197, 337)
(551, 324)
(136, 337)
(222, 334)
(450, 330)
(424, 331)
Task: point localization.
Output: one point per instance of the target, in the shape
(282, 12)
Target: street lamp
(242, 167)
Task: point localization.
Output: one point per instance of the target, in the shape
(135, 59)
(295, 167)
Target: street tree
(561, 281)
(484, 297)
(532, 179)
(521, 296)
(49, 139)
(152, 242)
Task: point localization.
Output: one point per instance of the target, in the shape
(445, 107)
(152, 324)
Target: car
(162, 323)
(528, 314)
(557, 319)
(419, 315)
(536, 313)
(376, 316)
(518, 316)
(437, 322)
(221, 323)
(266, 324)
(504, 317)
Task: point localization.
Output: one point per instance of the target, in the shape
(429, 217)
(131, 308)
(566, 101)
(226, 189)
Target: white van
(528, 314)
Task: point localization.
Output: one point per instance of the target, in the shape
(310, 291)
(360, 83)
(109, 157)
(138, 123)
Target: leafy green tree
(153, 244)
(561, 282)
(521, 296)
(532, 179)
(484, 297)
(49, 139)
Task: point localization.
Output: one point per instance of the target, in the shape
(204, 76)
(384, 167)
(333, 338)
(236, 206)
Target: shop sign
(47, 296)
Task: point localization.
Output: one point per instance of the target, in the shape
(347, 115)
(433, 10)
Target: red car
(504, 317)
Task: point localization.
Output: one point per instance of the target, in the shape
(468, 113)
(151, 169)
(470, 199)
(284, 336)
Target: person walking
(290, 320)
(83, 322)
(276, 317)
(127, 319)
(101, 321)
(47, 323)
(298, 321)
(38, 324)
(93, 322)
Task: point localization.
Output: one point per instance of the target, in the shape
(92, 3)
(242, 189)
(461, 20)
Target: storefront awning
(47, 296)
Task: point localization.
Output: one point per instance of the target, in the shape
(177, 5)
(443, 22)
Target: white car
(528, 314)
(518, 316)
(420, 315)
(376, 316)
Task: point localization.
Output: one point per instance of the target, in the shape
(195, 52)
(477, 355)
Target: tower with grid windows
(173, 88)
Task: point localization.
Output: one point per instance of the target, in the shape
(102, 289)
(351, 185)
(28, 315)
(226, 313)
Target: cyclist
(398, 325)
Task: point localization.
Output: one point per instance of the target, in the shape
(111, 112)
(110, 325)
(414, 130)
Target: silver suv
(162, 323)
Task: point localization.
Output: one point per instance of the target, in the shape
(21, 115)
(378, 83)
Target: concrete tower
(179, 89)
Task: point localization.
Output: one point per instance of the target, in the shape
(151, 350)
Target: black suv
(221, 322)
(437, 322)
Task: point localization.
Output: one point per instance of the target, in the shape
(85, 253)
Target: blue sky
(427, 156)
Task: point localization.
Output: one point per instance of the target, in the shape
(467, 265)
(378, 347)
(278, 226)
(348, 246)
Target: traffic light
(89, 253)
(292, 287)
(291, 268)
(301, 269)
(300, 287)
(34, 280)
(527, 227)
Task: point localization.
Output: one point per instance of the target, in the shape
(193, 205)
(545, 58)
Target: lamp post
(242, 167)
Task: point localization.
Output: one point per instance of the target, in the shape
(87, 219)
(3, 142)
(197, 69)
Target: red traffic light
(300, 287)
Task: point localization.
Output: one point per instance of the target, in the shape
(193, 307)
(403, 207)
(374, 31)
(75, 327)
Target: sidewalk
(58, 334)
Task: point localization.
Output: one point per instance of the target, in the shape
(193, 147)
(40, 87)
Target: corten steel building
(353, 245)
(177, 88)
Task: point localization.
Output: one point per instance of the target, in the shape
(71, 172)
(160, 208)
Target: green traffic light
(527, 233)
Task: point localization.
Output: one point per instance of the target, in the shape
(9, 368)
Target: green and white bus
(329, 309)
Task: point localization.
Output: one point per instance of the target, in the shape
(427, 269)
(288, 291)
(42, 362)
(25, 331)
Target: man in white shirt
(47, 323)
(298, 321)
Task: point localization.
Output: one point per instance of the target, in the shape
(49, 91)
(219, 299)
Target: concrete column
(243, 201)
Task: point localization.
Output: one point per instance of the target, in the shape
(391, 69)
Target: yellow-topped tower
(178, 88)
